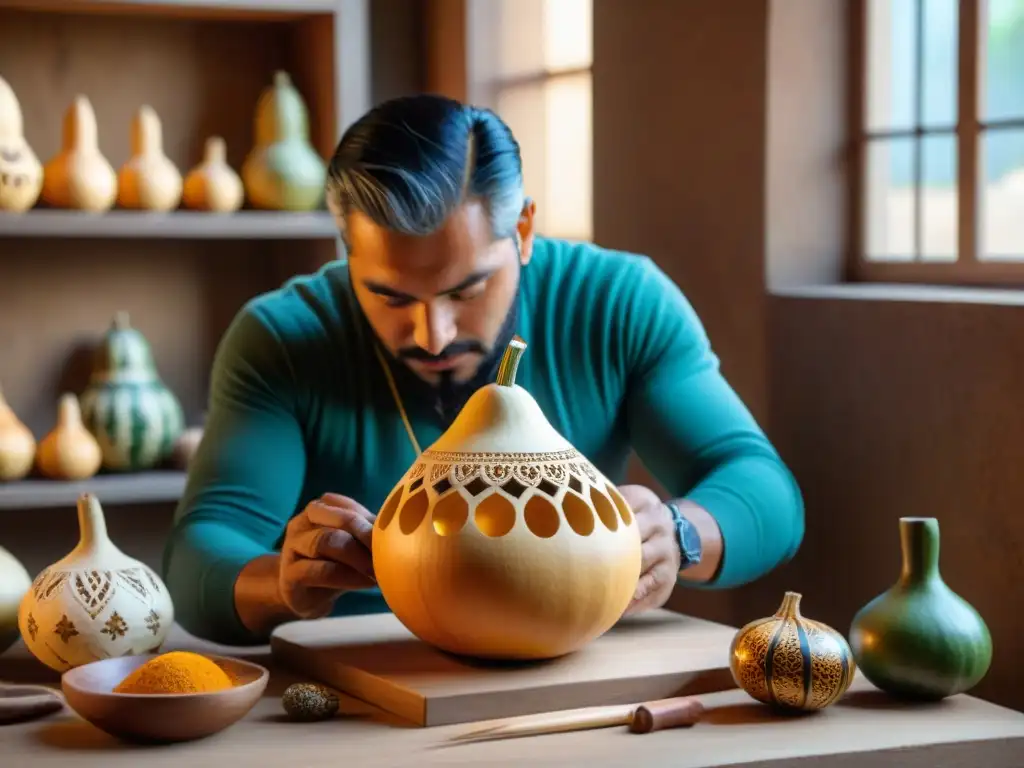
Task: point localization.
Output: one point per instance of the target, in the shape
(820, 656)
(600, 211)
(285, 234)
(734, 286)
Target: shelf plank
(284, 10)
(178, 225)
(136, 488)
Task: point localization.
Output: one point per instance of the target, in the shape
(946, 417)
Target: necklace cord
(398, 400)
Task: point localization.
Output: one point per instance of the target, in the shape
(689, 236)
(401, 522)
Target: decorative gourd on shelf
(791, 662)
(95, 603)
(21, 173)
(502, 541)
(149, 180)
(17, 444)
(79, 176)
(213, 185)
(283, 171)
(69, 451)
(14, 583)
(131, 412)
(920, 640)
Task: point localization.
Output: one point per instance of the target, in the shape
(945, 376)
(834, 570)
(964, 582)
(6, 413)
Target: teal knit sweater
(616, 359)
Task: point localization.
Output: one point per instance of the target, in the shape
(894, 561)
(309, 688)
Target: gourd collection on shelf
(125, 420)
(281, 172)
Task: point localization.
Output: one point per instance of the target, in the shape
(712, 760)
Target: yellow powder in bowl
(176, 672)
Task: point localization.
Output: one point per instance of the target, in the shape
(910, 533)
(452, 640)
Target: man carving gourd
(324, 391)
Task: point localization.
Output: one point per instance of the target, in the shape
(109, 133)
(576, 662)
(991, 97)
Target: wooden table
(864, 730)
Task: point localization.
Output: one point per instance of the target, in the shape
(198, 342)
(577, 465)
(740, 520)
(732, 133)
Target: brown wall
(707, 116)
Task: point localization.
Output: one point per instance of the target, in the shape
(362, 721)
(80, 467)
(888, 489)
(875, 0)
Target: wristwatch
(687, 537)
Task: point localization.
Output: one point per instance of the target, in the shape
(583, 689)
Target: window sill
(936, 294)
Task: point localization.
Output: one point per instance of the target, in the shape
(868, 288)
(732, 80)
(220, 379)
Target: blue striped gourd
(133, 415)
(791, 662)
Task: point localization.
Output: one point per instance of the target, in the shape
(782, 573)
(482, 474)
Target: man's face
(438, 302)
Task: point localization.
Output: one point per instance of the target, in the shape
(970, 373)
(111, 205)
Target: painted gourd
(919, 640)
(502, 541)
(14, 584)
(134, 416)
(791, 662)
(149, 180)
(21, 173)
(79, 176)
(95, 603)
(69, 451)
(213, 185)
(17, 444)
(283, 171)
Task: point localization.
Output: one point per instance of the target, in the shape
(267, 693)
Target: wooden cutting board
(376, 659)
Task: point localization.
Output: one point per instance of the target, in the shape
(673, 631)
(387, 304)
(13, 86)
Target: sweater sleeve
(695, 435)
(244, 482)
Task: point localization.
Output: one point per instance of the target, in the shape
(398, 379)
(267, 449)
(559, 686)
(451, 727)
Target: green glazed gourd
(134, 417)
(920, 640)
(283, 171)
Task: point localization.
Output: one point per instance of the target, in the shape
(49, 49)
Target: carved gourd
(135, 417)
(502, 541)
(17, 444)
(21, 173)
(95, 603)
(149, 180)
(283, 171)
(213, 185)
(79, 176)
(69, 451)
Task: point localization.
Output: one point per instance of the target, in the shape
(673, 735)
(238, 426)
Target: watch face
(687, 536)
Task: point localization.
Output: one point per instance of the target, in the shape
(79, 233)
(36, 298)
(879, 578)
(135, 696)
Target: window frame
(968, 269)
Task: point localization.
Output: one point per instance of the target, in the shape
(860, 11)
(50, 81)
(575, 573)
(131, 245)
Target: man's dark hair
(408, 163)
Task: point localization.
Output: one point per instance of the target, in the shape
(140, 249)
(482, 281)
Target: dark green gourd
(134, 417)
(919, 639)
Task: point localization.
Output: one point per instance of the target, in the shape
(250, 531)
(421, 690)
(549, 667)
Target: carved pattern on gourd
(780, 678)
(65, 629)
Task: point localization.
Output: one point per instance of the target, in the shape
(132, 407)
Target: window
(530, 61)
(939, 140)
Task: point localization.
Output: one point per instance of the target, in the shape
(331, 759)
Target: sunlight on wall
(529, 61)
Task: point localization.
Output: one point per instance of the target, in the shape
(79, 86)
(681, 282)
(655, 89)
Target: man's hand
(661, 556)
(326, 551)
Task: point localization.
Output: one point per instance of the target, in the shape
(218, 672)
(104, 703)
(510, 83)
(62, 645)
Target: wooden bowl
(160, 717)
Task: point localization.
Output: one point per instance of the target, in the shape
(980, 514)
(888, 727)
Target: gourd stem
(91, 524)
(790, 608)
(919, 543)
(510, 362)
(121, 322)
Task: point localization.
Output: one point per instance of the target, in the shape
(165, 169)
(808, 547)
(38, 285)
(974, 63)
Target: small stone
(307, 702)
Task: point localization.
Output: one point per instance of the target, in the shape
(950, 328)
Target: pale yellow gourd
(14, 585)
(213, 185)
(502, 540)
(149, 180)
(21, 173)
(69, 451)
(17, 444)
(79, 176)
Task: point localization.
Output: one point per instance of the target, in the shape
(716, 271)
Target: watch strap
(687, 537)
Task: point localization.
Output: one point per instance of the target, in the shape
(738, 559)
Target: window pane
(1003, 89)
(889, 203)
(1001, 154)
(939, 217)
(891, 74)
(552, 122)
(939, 65)
(511, 39)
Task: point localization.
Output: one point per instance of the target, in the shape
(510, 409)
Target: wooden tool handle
(666, 713)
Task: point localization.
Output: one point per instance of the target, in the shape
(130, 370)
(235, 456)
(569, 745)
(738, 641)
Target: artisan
(324, 391)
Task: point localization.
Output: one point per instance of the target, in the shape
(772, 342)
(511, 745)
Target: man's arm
(243, 486)
(700, 441)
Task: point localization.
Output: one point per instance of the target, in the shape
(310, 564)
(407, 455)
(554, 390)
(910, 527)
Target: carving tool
(649, 716)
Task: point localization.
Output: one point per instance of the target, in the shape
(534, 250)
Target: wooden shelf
(229, 9)
(135, 488)
(179, 225)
